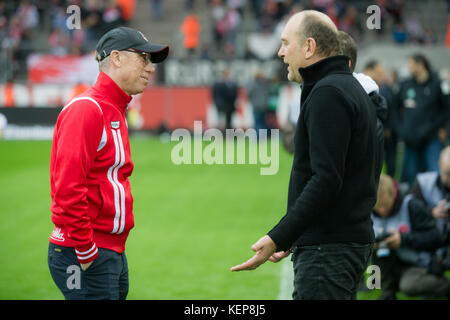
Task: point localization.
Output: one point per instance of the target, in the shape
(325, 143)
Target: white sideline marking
(286, 279)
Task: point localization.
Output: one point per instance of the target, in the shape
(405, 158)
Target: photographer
(406, 236)
(433, 189)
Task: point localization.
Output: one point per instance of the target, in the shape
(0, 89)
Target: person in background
(258, 94)
(225, 92)
(405, 238)
(191, 33)
(433, 189)
(375, 70)
(423, 112)
(156, 9)
(350, 49)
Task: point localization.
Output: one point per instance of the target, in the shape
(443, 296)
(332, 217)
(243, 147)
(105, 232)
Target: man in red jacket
(92, 205)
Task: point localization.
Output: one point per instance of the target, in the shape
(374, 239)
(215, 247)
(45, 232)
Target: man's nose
(281, 52)
(150, 67)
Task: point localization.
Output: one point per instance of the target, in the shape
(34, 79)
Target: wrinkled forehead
(291, 30)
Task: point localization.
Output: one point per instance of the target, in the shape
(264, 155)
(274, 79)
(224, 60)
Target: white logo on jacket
(57, 235)
(115, 124)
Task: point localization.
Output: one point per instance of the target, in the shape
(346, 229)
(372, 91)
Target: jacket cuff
(280, 243)
(86, 253)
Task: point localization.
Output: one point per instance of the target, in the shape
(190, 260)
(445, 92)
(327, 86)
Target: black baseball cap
(123, 38)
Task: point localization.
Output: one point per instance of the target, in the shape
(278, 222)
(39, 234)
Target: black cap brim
(158, 52)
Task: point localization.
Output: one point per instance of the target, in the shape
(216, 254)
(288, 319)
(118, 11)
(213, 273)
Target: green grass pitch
(192, 223)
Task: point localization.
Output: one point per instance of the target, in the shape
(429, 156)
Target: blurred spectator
(429, 37)
(259, 94)
(224, 92)
(351, 23)
(424, 112)
(59, 18)
(271, 118)
(127, 8)
(399, 33)
(433, 189)
(415, 29)
(14, 35)
(92, 22)
(28, 15)
(79, 88)
(156, 9)
(405, 238)
(189, 5)
(395, 9)
(111, 17)
(256, 6)
(392, 80)
(375, 70)
(232, 24)
(237, 5)
(58, 42)
(268, 14)
(190, 29)
(218, 12)
(11, 45)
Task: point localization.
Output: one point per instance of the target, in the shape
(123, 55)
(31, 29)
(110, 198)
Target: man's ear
(115, 58)
(310, 48)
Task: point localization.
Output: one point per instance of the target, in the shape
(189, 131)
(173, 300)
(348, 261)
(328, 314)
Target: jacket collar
(317, 71)
(105, 85)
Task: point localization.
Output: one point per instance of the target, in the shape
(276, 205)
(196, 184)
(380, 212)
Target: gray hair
(104, 64)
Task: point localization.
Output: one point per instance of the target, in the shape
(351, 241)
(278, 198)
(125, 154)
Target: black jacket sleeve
(423, 235)
(328, 118)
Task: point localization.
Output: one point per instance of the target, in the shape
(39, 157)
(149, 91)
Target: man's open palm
(264, 248)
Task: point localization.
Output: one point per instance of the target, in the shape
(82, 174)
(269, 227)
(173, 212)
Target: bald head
(445, 155)
(318, 26)
(308, 37)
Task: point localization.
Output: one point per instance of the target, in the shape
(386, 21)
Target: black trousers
(105, 279)
(329, 271)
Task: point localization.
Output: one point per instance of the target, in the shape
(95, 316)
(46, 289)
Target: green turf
(192, 223)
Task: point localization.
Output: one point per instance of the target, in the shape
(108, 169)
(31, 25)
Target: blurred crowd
(269, 16)
(29, 26)
(237, 28)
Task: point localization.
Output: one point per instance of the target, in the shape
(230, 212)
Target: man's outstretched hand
(264, 248)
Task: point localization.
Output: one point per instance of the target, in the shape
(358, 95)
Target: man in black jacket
(335, 170)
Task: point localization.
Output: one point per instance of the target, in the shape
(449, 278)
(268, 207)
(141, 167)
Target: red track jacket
(90, 164)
